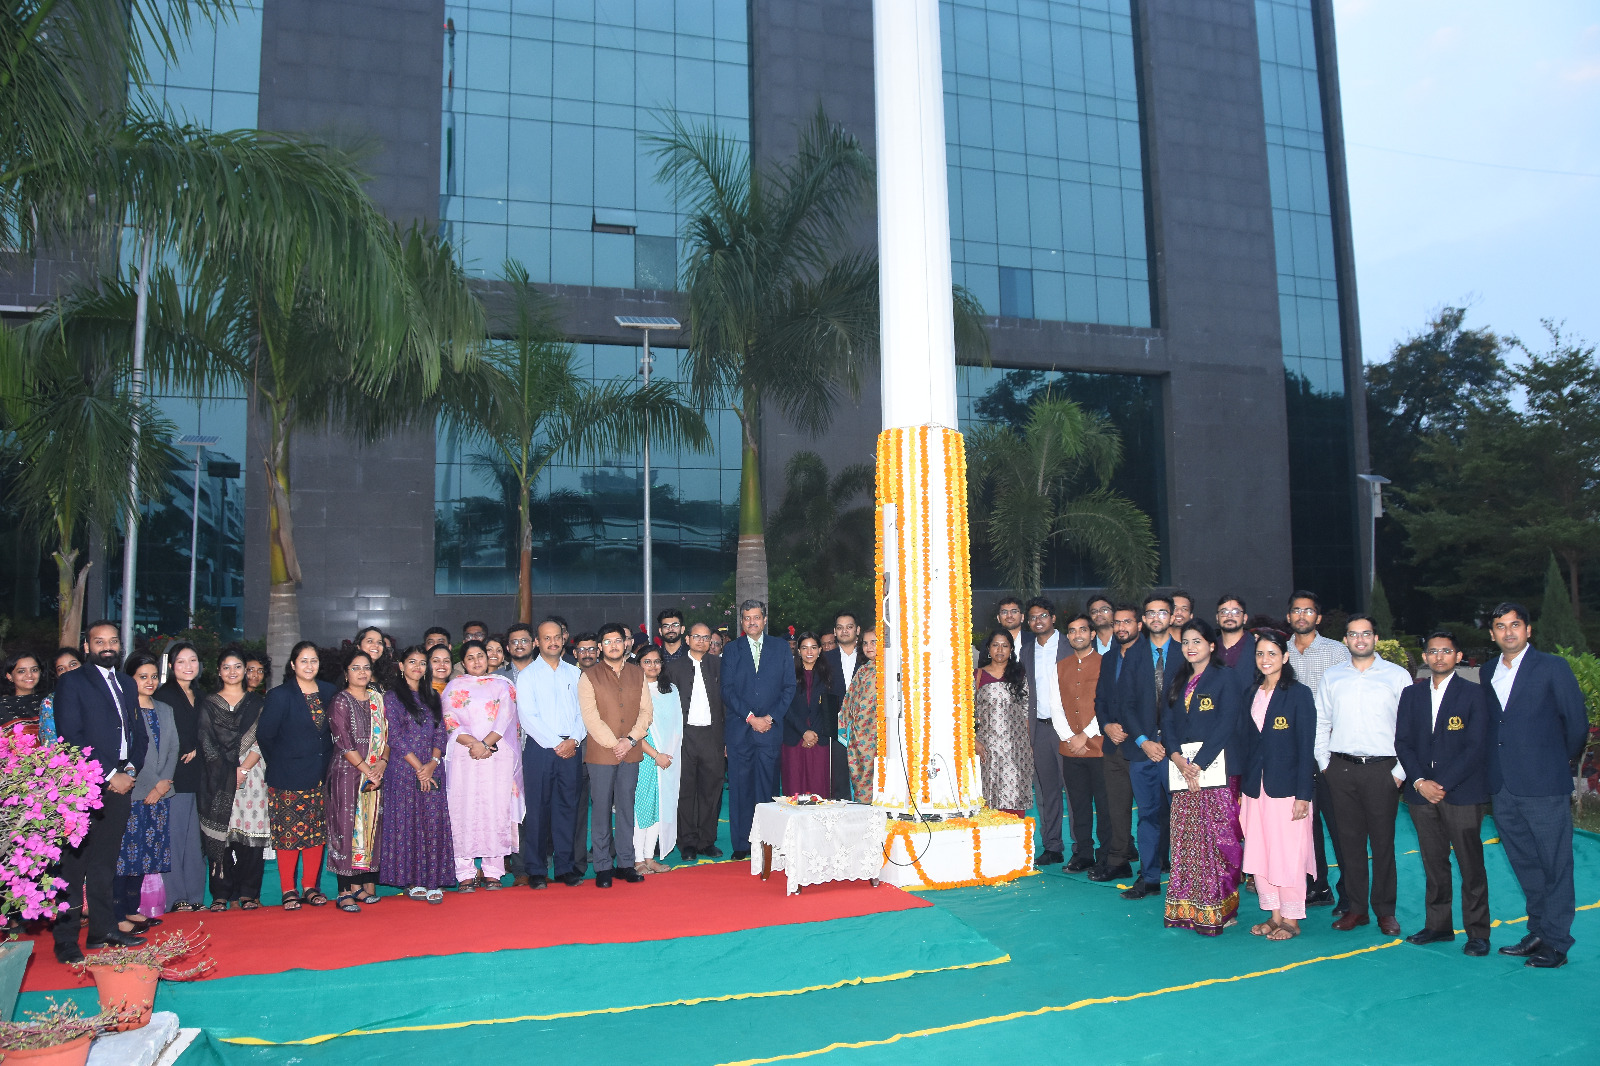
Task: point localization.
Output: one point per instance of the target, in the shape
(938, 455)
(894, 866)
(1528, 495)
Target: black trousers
(238, 875)
(1365, 803)
(1323, 809)
(1536, 833)
(126, 890)
(1087, 806)
(838, 771)
(1047, 784)
(90, 870)
(700, 787)
(1119, 807)
(1442, 828)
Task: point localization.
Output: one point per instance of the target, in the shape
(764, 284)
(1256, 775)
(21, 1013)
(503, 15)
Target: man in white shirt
(698, 676)
(843, 659)
(1357, 704)
(1042, 648)
(552, 724)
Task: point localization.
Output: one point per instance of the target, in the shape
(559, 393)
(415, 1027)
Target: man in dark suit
(1042, 647)
(843, 660)
(1540, 724)
(97, 709)
(1442, 740)
(698, 675)
(1136, 711)
(757, 684)
(1118, 859)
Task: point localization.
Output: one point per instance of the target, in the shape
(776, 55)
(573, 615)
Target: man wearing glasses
(1039, 653)
(669, 627)
(1008, 615)
(1137, 717)
(757, 684)
(698, 676)
(1232, 647)
(1101, 612)
(843, 659)
(1357, 704)
(552, 727)
(1311, 654)
(617, 712)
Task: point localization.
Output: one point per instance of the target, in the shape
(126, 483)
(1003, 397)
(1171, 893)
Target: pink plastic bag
(152, 896)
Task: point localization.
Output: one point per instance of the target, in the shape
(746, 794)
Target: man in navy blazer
(1149, 663)
(97, 708)
(1540, 724)
(757, 684)
(1118, 860)
(843, 659)
(1442, 731)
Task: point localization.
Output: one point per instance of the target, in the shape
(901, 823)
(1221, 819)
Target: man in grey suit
(698, 676)
(1041, 649)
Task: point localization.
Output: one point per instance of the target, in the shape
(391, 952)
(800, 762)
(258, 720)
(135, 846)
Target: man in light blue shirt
(547, 706)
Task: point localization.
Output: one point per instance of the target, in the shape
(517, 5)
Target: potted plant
(46, 794)
(126, 978)
(59, 1036)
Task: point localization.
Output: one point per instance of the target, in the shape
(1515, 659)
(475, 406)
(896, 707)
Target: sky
(1473, 82)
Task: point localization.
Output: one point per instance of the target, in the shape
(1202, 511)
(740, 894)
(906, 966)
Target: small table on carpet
(818, 843)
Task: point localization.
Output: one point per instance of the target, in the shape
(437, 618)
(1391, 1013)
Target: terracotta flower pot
(134, 987)
(72, 1053)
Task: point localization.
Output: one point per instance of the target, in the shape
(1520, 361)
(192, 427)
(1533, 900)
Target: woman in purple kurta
(354, 782)
(418, 849)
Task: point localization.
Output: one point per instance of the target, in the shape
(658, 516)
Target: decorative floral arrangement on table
(800, 799)
(61, 1024)
(159, 954)
(46, 794)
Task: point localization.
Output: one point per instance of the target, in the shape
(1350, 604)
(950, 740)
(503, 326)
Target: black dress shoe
(1528, 945)
(537, 881)
(687, 854)
(602, 879)
(1048, 858)
(714, 852)
(114, 939)
(572, 880)
(1140, 890)
(68, 953)
(1431, 936)
(1111, 873)
(1341, 908)
(1547, 958)
(628, 874)
(1477, 947)
(1077, 864)
(1322, 897)
(738, 856)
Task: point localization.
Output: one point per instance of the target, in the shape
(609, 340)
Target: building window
(655, 263)
(1046, 165)
(1016, 293)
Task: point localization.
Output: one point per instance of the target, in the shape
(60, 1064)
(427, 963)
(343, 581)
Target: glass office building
(1321, 453)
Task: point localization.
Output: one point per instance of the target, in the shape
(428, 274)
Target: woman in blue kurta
(295, 744)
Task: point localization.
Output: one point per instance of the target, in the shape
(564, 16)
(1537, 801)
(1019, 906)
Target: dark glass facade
(1322, 498)
(588, 517)
(1132, 404)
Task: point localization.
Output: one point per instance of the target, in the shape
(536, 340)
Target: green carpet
(1235, 998)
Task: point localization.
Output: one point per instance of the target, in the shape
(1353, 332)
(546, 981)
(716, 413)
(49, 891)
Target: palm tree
(70, 432)
(528, 404)
(1050, 481)
(814, 527)
(780, 312)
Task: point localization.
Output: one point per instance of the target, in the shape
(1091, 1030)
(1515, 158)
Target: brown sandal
(1284, 932)
(1263, 928)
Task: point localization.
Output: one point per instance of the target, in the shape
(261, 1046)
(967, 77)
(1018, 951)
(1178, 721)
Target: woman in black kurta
(811, 723)
(296, 743)
(186, 881)
(232, 829)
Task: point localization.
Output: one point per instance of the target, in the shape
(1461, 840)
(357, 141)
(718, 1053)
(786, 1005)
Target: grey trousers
(186, 881)
(1047, 784)
(612, 788)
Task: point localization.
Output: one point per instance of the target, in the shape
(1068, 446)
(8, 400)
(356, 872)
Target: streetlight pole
(646, 325)
(199, 442)
(130, 542)
(1375, 484)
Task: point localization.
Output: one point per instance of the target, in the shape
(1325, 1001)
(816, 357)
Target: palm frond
(1113, 532)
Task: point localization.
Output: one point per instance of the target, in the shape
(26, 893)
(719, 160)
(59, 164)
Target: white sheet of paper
(1210, 777)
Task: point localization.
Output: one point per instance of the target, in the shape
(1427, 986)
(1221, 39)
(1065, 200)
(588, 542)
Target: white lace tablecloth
(812, 845)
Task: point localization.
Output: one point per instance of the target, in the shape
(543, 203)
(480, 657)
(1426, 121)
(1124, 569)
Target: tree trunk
(283, 624)
(525, 562)
(750, 571)
(70, 593)
(283, 602)
(1572, 584)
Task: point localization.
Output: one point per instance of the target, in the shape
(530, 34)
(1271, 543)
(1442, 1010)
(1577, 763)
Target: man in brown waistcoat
(616, 711)
(1082, 768)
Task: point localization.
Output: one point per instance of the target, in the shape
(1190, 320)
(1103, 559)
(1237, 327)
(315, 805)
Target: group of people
(1233, 742)
(534, 754)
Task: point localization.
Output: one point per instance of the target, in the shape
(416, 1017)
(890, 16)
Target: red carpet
(697, 901)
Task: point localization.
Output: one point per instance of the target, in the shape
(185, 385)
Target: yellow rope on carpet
(253, 1041)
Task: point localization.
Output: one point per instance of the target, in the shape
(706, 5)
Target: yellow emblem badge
(1206, 704)
(1280, 722)
(1455, 723)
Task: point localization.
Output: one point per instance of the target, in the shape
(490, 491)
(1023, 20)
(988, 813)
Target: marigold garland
(904, 832)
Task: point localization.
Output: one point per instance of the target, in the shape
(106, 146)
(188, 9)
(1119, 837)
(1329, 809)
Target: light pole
(1375, 484)
(199, 442)
(646, 325)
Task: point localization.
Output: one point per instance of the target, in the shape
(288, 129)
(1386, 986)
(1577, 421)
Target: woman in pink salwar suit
(483, 764)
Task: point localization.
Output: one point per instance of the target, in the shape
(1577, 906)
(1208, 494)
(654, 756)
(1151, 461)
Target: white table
(820, 843)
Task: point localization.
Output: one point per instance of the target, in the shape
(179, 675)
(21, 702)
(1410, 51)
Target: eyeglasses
(671, 625)
(1229, 612)
(1006, 612)
(699, 636)
(1098, 610)
(519, 642)
(1359, 634)
(1439, 651)
(1306, 612)
(1152, 615)
(611, 642)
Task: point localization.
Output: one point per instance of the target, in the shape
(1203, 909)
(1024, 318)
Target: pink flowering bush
(46, 794)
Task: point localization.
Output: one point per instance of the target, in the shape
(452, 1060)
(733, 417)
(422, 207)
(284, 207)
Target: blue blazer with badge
(1539, 730)
(1453, 752)
(1280, 757)
(1211, 716)
(747, 690)
(87, 718)
(1134, 706)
